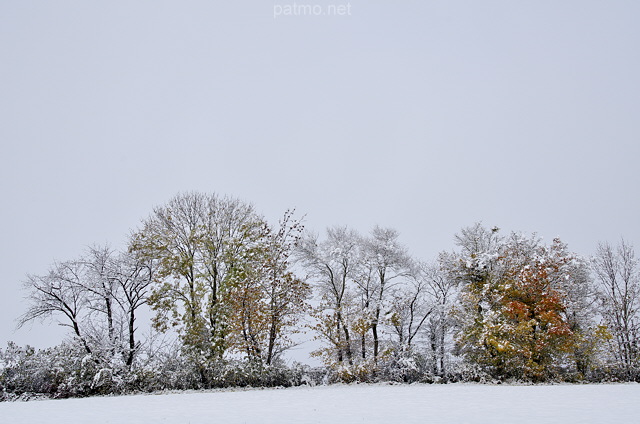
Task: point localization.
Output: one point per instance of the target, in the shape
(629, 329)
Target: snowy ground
(456, 403)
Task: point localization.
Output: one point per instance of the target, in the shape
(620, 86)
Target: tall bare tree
(618, 275)
(442, 292)
(332, 264)
(133, 275)
(101, 289)
(411, 306)
(388, 262)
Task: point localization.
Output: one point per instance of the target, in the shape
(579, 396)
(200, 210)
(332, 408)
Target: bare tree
(365, 289)
(411, 307)
(388, 262)
(133, 275)
(97, 296)
(333, 264)
(98, 282)
(618, 276)
(59, 295)
(421, 312)
(442, 292)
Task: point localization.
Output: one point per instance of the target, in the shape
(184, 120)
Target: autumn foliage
(514, 315)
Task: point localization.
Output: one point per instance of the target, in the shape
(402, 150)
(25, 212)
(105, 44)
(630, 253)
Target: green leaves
(223, 278)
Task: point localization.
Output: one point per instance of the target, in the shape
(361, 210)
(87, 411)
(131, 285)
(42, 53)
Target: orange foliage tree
(516, 311)
(532, 309)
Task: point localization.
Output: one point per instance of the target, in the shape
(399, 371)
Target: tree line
(229, 293)
(499, 307)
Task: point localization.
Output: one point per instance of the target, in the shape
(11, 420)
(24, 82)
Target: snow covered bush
(67, 371)
(54, 372)
(405, 366)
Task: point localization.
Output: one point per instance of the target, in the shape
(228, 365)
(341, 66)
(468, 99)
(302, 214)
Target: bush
(67, 371)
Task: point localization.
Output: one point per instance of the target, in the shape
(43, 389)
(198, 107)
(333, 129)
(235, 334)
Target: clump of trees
(523, 310)
(228, 293)
(375, 303)
(507, 308)
(219, 281)
(98, 297)
(223, 278)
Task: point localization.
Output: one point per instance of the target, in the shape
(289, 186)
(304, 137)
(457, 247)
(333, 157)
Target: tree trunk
(132, 341)
(374, 331)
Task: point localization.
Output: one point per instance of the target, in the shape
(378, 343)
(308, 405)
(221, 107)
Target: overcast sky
(423, 115)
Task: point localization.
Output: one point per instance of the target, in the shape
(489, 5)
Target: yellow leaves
(602, 333)
(499, 345)
(222, 273)
(363, 324)
(514, 316)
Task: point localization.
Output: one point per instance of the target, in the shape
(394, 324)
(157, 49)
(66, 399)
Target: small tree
(97, 296)
(59, 295)
(133, 275)
(285, 294)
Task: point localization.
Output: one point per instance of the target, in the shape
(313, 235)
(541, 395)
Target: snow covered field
(455, 403)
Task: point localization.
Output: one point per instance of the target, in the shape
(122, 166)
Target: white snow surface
(372, 404)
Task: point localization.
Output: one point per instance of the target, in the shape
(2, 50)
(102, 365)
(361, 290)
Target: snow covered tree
(576, 283)
(133, 275)
(198, 241)
(441, 291)
(408, 315)
(101, 289)
(386, 262)
(59, 295)
(409, 309)
(365, 298)
(268, 298)
(533, 331)
(222, 278)
(618, 276)
(472, 269)
(514, 303)
(333, 264)
(97, 296)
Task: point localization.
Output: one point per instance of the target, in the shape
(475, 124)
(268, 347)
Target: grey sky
(421, 115)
